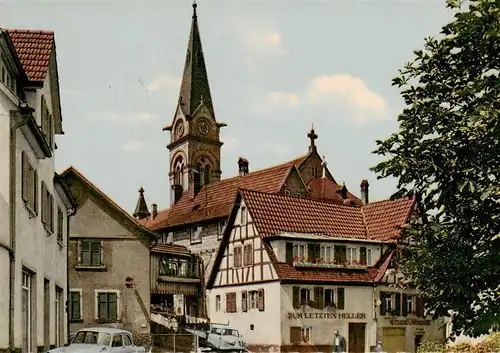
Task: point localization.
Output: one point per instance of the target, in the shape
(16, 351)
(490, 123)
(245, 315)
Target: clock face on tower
(203, 126)
(179, 129)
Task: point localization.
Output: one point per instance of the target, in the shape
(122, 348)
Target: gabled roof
(273, 214)
(324, 189)
(72, 172)
(215, 200)
(34, 48)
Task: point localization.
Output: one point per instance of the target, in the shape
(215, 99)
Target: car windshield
(229, 332)
(92, 337)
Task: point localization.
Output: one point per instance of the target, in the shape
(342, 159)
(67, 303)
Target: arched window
(198, 177)
(178, 179)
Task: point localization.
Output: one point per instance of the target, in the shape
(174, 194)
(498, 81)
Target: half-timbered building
(292, 270)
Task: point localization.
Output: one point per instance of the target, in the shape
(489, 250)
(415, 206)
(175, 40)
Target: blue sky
(275, 67)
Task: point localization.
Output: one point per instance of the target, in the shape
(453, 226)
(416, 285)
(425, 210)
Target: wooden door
(356, 338)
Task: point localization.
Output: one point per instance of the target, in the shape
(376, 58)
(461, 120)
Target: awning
(175, 288)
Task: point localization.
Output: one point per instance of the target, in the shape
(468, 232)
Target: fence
(174, 343)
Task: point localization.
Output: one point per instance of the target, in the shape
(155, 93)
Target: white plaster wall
(7, 103)
(358, 299)
(35, 249)
(266, 330)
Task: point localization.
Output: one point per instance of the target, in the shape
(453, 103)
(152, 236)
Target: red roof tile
(273, 214)
(215, 200)
(324, 189)
(383, 218)
(33, 48)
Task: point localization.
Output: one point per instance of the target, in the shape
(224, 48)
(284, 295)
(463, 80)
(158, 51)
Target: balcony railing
(320, 263)
(173, 267)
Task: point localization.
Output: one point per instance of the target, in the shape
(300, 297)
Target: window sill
(76, 321)
(192, 242)
(90, 268)
(31, 210)
(108, 321)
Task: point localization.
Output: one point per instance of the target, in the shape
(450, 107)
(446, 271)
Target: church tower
(194, 132)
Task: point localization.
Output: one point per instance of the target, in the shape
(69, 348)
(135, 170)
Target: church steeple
(194, 86)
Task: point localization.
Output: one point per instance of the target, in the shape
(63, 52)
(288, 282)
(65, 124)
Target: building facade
(290, 271)
(108, 263)
(35, 204)
(200, 200)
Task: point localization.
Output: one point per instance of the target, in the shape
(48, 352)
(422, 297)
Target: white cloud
(351, 89)
(133, 145)
(144, 117)
(263, 39)
(291, 100)
(163, 81)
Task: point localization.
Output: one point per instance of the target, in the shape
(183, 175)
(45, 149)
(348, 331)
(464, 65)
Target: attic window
(196, 208)
(287, 192)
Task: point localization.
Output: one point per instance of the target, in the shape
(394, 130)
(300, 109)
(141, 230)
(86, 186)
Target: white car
(101, 339)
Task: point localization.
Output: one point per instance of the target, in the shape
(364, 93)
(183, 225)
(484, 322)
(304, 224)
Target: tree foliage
(447, 152)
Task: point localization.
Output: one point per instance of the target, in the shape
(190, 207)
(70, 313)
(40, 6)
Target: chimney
(154, 209)
(364, 191)
(242, 166)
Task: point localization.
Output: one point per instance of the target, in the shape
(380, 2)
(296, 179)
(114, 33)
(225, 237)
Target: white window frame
(253, 299)
(80, 291)
(352, 254)
(389, 302)
(195, 236)
(118, 302)
(327, 253)
(218, 303)
(410, 299)
(334, 295)
(299, 250)
(308, 296)
(27, 285)
(306, 330)
(221, 227)
(369, 257)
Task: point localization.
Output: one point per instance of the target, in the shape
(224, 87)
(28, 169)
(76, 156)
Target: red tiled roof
(216, 199)
(33, 47)
(274, 213)
(325, 189)
(170, 249)
(383, 218)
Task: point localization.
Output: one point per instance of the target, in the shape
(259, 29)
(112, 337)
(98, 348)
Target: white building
(292, 270)
(34, 202)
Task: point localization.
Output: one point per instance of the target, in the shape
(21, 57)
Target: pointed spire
(194, 85)
(312, 136)
(141, 210)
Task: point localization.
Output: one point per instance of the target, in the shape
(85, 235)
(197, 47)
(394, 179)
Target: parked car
(220, 337)
(101, 339)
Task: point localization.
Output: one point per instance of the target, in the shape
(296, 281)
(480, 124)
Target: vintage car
(101, 339)
(220, 337)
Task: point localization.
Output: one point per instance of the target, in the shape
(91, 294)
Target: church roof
(324, 189)
(216, 199)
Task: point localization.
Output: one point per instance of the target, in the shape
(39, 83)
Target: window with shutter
(74, 305)
(319, 297)
(405, 305)
(44, 203)
(305, 296)
(295, 335)
(329, 298)
(362, 255)
(296, 297)
(248, 255)
(383, 307)
(261, 300)
(237, 256)
(340, 298)
(24, 176)
(289, 252)
(244, 301)
(107, 309)
(397, 309)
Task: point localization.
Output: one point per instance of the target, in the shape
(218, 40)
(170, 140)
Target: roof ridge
(406, 198)
(299, 197)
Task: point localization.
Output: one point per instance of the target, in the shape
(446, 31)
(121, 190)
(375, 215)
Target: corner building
(290, 271)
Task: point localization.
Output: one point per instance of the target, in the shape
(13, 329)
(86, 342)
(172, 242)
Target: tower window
(207, 174)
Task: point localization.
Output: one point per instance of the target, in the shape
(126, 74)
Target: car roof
(110, 330)
(222, 326)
